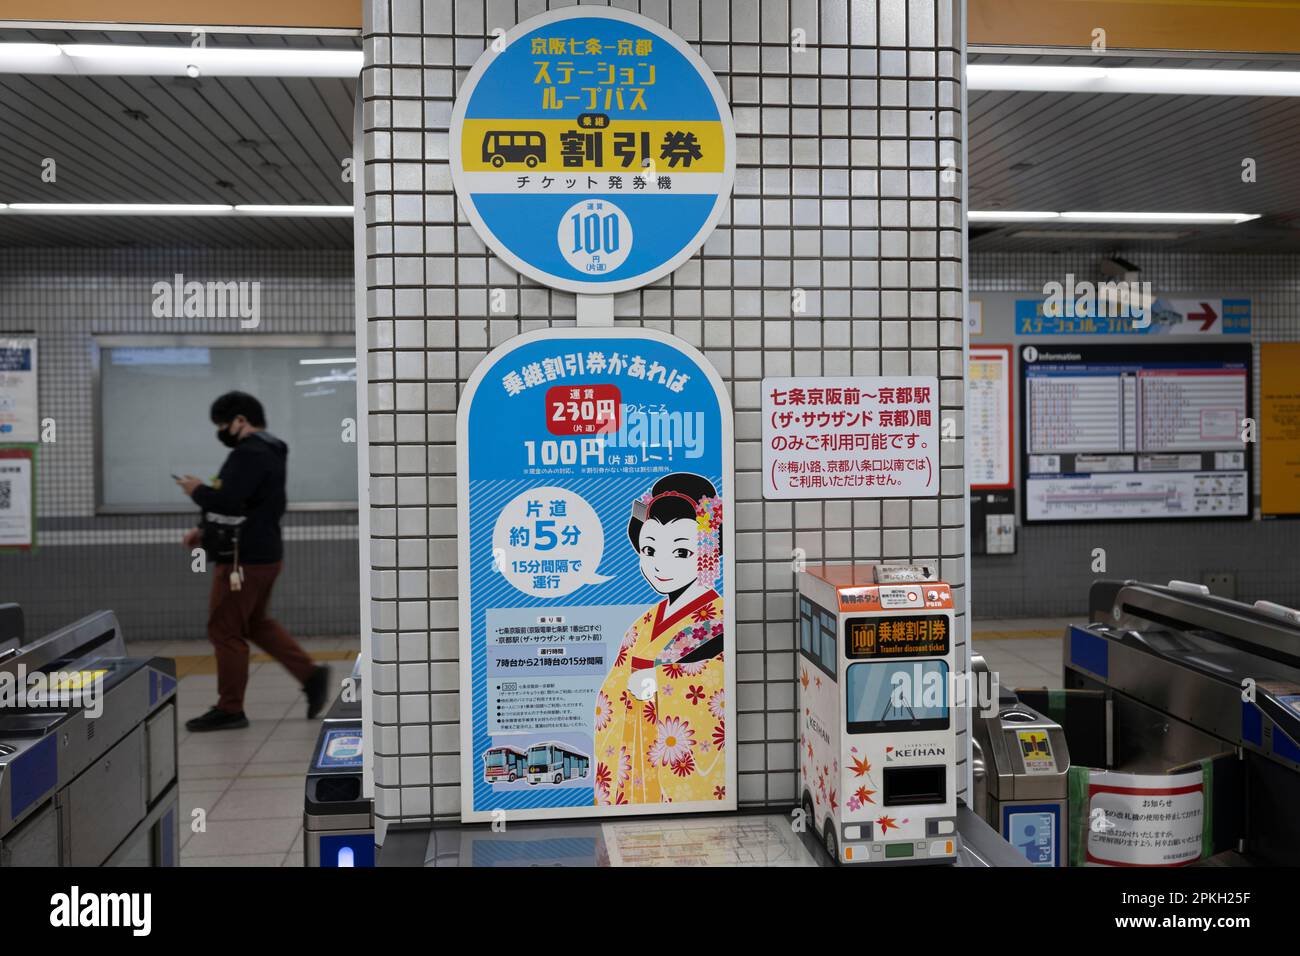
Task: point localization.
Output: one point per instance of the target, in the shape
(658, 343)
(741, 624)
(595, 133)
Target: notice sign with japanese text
(595, 504)
(592, 149)
(850, 437)
(19, 421)
(17, 498)
(1131, 819)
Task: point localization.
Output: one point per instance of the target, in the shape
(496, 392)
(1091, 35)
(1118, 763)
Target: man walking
(248, 555)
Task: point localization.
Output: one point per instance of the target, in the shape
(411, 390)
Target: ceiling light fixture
(1145, 218)
(122, 59)
(1095, 79)
(170, 209)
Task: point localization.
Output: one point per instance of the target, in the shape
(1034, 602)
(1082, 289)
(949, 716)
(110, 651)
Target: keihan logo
(911, 751)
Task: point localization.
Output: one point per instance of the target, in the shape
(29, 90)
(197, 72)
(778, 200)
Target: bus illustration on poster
(596, 548)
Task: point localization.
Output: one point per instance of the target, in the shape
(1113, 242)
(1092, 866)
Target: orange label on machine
(918, 636)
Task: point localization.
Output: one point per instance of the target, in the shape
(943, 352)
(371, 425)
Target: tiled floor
(1024, 653)
(249, 783)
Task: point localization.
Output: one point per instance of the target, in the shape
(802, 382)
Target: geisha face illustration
(668, 554)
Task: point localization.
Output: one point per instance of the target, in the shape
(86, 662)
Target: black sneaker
(317, 689)
(216, 720)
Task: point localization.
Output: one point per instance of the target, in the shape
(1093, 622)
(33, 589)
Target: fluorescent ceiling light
(116, 209)
(998, 215)
(122, 59)
(168, 209)
(1094, 79)
(1072, 234)
(1174, 218)
(328, 361)
(297, 211)
(30, 50)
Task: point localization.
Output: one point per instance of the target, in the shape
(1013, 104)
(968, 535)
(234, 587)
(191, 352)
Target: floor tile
(268, 804)
(236, 837)
(250, 859)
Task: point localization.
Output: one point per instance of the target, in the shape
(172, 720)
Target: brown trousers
(237, 617)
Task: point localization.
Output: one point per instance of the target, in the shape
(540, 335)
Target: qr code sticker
(6, 496)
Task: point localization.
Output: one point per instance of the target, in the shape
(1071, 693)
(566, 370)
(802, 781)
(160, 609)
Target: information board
(592, 149)
(1135, 432)
(850, 437)
(595, 504)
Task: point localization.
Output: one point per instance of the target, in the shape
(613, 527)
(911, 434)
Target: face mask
(227, 439)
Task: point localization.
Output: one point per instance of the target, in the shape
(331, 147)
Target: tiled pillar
(847, 113)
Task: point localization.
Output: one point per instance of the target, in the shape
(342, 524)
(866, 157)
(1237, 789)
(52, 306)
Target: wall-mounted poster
(1279, 428)
(989, 413)
(850, 437)
(596, 551)
(17, 498)
(592, 149)
(19, 421)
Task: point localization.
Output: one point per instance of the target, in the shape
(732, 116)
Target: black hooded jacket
(251, 483)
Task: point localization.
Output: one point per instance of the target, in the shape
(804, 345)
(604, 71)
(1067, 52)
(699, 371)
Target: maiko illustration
(661, 713)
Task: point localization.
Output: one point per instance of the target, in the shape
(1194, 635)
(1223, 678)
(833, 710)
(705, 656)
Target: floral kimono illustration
(660, 716)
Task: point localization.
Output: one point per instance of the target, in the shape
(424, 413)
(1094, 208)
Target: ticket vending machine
(878, 729)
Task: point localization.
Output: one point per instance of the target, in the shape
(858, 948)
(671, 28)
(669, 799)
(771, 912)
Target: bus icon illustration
(501, 147)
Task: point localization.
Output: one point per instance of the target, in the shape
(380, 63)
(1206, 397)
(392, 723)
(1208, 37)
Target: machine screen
(342, 748)
(897, 695)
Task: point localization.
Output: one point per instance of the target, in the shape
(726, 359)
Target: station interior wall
(1051, 571)
(134, 564)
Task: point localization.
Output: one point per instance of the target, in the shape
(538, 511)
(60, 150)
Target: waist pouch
(219, 536)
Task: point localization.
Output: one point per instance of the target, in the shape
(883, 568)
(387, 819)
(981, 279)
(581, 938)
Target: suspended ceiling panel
(176, 140)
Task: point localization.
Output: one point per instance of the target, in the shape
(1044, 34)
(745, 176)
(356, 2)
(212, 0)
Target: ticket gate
(87, 751)
(1021, 770)
(338, 819)
(1197, 678)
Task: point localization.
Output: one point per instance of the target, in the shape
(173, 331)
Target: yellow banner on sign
(563, 146)
(1279, 428)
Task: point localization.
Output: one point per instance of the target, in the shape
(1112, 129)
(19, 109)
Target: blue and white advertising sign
(596, 550)
(592, 149)
(1131, 312)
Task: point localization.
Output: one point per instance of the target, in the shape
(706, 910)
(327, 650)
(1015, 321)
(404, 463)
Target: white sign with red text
(850, 437)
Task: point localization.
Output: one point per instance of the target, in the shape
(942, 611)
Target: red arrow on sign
(1206, 316)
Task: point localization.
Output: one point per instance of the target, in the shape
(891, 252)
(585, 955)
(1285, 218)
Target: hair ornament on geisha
(708, 531)
(708, 527)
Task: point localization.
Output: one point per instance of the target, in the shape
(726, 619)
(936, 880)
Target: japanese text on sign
(850, 437)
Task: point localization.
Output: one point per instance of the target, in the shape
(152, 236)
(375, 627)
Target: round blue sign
(592, 149)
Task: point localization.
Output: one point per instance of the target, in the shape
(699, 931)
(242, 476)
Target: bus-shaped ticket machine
(878, 736)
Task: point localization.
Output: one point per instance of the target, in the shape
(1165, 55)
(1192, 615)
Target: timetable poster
(989, 413)
(595, 501)
(1135, 432)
